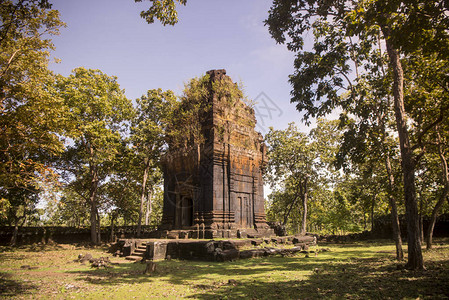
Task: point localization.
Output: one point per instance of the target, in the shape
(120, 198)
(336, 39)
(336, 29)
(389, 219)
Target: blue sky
(110, 35)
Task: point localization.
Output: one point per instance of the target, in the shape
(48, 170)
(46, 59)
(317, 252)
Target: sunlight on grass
(359, 270)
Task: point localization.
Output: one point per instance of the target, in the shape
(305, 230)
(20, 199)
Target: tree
(32, 116)
(292, 167)
(344, 34)
(99, 109)
(148, 142)
(368, 135)
(427, 100)
(424, 22)
(69, 210)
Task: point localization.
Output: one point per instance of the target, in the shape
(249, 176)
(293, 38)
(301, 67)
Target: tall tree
(427, 100)
(369, 134)
(100, 109)
(148, 141)
(31, 114)
(343, 32)
(292, 167)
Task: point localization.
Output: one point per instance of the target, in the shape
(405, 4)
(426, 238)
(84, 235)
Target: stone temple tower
(215, 188)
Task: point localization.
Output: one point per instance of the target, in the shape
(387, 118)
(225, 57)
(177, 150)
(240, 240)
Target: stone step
(133, 257)
(140, 251)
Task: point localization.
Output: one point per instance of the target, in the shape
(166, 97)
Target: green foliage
(154, 112)
(338, 202)
(69, 210)
(292, 169)
(355, 34)
(163, 10)
(100, 111)
(184, 128)
(32, 115)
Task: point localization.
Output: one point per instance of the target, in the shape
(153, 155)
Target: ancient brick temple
(215, 188)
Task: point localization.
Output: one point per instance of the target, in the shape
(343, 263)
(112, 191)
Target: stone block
(306, 239)
(256, 242)
(172, 235)
(128, 247)
(228, 255)
(156, 250)
(241, 243)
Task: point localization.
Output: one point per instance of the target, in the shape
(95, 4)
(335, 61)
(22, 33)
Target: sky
(110, 35)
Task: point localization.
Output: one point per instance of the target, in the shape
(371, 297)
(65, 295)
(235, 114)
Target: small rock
(85, 257)
(70, 286)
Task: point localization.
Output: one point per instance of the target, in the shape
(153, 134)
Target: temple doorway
(186, 212)
(244, 211)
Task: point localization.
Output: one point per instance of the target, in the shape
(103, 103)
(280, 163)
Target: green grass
(360, 270)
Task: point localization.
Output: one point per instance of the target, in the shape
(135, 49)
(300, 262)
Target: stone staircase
(138, 253)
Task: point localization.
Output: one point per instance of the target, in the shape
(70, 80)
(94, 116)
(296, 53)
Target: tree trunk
(394, 211)
(433, 218)
(396, 226)
(149, 206)
(415, 259)
(93, 220)
(373, 204)
(364, 221)
(421, 228)
(287, 213)
(304, 205)
(443, 196)
(98, 228)
(111, 238)
(93, 200)
(142, 196)
(15, 233)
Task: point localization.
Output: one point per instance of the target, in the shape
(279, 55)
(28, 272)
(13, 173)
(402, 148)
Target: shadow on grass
(363, 279)
(330, 275)
(11, 288)
(124, 273)
(183, 271)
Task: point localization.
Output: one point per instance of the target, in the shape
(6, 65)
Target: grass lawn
(362, 270)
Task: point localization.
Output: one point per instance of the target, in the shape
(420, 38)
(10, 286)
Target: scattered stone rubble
(212, 250)
(94, 262)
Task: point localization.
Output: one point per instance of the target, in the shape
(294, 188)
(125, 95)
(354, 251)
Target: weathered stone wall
(66, 235)
(221, 179)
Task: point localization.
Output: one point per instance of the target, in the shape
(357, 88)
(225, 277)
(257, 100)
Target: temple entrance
(184, 212)
(244, 211)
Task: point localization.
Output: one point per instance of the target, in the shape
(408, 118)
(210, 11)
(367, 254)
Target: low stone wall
(383, 228)
(66, 235)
